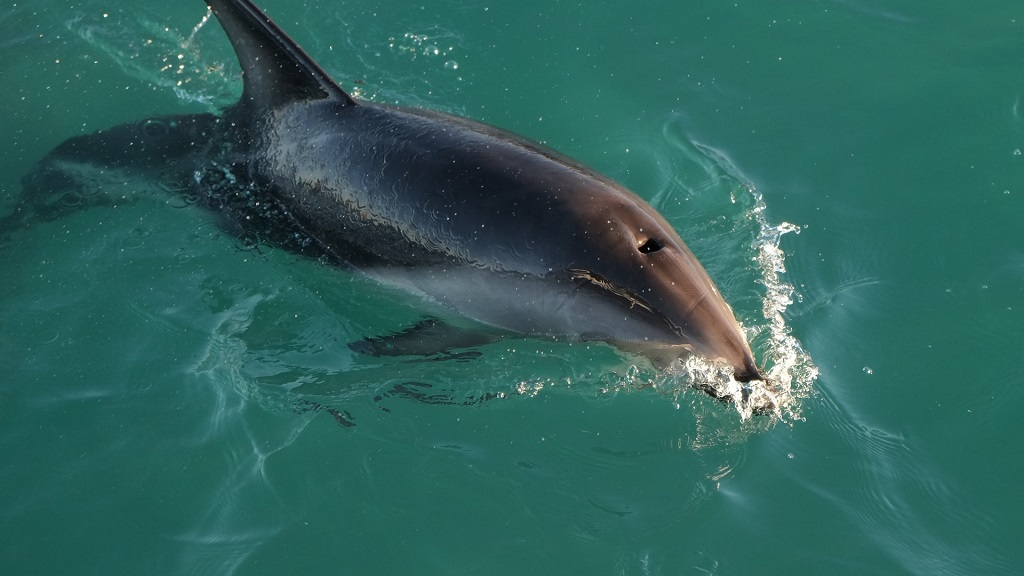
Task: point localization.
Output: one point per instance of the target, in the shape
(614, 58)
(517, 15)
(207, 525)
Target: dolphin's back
(389, 185)
(413, 188)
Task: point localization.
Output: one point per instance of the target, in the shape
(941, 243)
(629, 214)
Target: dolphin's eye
(649, 245)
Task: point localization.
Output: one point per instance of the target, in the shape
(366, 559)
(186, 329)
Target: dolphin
(484, 223)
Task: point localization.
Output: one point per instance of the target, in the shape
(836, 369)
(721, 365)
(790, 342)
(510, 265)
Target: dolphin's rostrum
(490, 225)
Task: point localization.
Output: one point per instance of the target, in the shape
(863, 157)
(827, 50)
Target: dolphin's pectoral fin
(430, 338)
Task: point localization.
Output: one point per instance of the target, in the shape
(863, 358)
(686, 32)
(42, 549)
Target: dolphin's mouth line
(595, 279)
(585, 277)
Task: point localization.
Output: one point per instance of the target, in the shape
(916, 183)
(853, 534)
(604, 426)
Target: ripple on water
(899, 496)
(721, 208)
(195, 67)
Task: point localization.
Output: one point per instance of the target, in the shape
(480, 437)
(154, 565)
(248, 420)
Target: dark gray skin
(487, 224)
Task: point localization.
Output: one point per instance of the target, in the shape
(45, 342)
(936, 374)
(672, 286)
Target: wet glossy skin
(484, 222)
(495, 227)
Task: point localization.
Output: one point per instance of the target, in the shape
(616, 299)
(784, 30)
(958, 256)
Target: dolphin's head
(632, 255)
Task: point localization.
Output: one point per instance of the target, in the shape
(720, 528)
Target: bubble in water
(135, 239)
(182, 200)
(70, 199)
(451, 65)
(868, 370)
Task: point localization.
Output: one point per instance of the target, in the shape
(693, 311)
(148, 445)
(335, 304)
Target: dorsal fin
(274, 69)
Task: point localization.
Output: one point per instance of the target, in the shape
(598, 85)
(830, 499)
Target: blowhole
(649, 245)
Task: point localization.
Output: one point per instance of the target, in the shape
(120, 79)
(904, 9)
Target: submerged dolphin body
(488, 224)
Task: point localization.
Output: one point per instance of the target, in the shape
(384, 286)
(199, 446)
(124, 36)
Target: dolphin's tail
(71, 177)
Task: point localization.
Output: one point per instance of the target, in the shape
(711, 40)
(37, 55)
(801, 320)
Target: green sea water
(850, 173)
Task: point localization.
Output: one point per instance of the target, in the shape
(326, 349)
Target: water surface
(171, 398)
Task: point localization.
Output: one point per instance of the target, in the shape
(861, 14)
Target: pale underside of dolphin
(484, 223)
